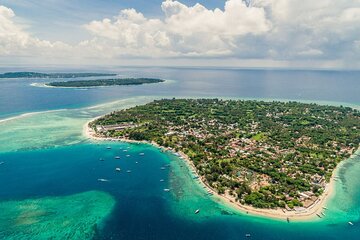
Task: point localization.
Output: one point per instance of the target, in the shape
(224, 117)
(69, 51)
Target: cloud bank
(276, 30)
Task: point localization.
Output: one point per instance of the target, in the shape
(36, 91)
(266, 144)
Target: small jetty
(102, 180)
(117, 169)
(350, 223)
(197, 211)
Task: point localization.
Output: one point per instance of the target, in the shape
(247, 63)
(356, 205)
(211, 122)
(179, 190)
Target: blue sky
(63, 19)
(255, 33)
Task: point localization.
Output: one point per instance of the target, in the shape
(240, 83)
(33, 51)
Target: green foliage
(236, 144)
(105, 82)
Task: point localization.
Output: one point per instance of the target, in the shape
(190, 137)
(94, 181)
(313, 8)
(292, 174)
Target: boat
(166, 190)
(101, 159)
(102, 180)
(141, 154)
(128, 171)
(350, 223)
(162, 168)
(161, 180)
(1, 163)
(318, 215)
(136, 162)
(197, 211)
(323, 214)
(324, 208)
(117, 157)
(124, 150)
(117, 169)
(248, 235)
(127, 155)
(108, 147)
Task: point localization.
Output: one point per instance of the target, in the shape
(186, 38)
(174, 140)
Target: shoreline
(310, 213)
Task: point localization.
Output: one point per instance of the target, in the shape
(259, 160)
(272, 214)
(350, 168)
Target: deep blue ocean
(45, 155)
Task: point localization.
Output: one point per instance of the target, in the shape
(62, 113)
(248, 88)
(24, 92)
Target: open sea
(56, 184)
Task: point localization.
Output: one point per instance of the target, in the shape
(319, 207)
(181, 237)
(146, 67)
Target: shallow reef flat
(67, 217)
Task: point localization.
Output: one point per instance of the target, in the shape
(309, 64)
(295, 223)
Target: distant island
(265, 155)
(105, 82)
(52, 75)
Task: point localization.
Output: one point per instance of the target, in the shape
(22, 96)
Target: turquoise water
(47, 160)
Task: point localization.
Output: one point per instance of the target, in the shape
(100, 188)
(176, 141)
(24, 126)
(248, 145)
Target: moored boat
(102, 180)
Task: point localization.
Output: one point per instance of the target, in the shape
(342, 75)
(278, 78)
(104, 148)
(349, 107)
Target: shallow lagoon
(46, 157)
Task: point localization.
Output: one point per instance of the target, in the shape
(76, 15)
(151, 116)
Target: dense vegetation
(105, 82)
(265, 154)
(52, 75)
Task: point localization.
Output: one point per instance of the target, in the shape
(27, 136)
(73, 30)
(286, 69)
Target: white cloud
(185, 31)
(270, 30)
(15, 41)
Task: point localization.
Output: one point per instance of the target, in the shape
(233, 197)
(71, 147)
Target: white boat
(127, 155)
(128, 171)
(141, 154)
(117, 157)
(108, 147)
(248, 235)
(161, 180)
(350, 223)
(318, 215)
(136, 162)
(117, 169)
(162, 168)
(124, 150)
(166, 190)
(197, 211)
(102, 180)
(1, 163)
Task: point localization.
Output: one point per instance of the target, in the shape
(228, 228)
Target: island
(105, 82)
(276, 157)
(52, 75)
